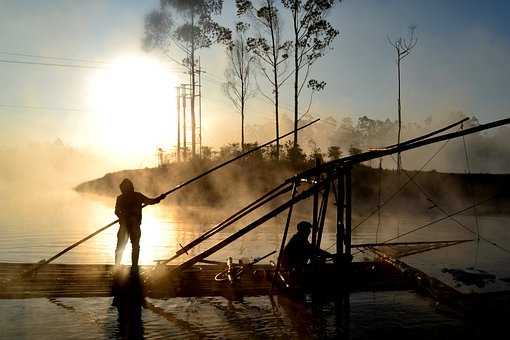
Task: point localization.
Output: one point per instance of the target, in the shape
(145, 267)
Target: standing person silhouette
(129, 210)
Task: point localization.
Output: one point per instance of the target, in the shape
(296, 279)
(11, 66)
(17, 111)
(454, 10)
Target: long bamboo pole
(430, 134)
(301, 196)
(380, 153)
(379, 244)
(404, 146)
(340, 214)
(180, 186)
(315, 213)
(348, 210)
(323, 213)
(230, 220)
(284, 237)
(340, 229)
(270, 195)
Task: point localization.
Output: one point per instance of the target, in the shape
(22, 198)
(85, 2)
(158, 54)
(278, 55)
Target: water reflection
(129, 298)
(47, 223)
(158, 236)
(175, 321)
(369, 315)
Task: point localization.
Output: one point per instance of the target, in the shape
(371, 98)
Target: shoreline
(238, 183)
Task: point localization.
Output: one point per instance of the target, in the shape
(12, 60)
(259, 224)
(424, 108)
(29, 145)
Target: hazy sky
(459, 64)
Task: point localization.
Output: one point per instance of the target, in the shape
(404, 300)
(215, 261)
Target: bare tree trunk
(199, 108)
(242, 105)
(296, 78)
(242, 125)
(243, 89)
(399, 160)
(277, 119)
(275, 74)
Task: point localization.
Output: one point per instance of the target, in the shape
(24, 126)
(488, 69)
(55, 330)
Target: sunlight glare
(158, 237)
(134, 105)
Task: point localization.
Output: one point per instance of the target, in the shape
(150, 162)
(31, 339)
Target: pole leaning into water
(180, 186)
(274, 193)
(284, 237)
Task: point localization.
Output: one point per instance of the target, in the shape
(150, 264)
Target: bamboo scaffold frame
(335, 174)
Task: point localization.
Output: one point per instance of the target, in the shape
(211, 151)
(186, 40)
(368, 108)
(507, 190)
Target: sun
(133, 101)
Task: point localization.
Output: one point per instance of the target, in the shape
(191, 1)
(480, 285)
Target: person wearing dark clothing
(129, 210)
(299, 250)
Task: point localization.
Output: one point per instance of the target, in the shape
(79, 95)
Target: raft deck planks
(91, 280)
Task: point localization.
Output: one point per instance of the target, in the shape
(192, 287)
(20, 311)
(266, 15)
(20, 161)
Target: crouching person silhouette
(129, 210)
(299, 252)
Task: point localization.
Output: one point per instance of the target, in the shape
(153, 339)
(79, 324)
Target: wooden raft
(94, 280)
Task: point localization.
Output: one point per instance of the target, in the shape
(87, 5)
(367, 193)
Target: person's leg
(122, 238)
(134, 235)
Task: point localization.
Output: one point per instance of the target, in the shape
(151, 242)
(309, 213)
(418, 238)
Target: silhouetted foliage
(199, 27)
(312, 34)
(294, 154)
(256, 155)
(229, 151)
(316, 155)
(271, 152)
(334, 152)
(207, 153)
(354, 150)
(187, 25)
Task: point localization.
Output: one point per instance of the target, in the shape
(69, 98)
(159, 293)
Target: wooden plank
(61, 280)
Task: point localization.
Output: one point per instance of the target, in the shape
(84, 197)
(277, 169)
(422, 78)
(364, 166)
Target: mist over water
(42, 214)
(103, 75)
(488, 151)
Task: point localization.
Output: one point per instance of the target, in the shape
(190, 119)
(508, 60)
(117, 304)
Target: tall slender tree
(403, 47)
(270, 50)
(312, 35)
(188, 25)
(238, 73)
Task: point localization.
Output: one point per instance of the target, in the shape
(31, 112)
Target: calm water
(36, 226)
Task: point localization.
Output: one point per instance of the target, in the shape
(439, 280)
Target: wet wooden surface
(77, 280)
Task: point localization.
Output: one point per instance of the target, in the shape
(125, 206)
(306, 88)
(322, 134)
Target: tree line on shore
(333, 139)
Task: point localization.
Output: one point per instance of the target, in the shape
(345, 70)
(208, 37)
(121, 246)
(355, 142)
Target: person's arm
(323, 253)
(149, 201)
(317, 252)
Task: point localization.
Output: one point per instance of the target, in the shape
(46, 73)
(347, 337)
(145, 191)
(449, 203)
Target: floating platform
(102, 280)
(94, 280)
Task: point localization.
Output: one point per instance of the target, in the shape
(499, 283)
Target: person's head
(304, 228)
(126, 186)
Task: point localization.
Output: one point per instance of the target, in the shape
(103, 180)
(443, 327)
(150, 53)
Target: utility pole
(183, 94)
(178, 104)
(190, 91)
(200, 106)
(192, 74)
